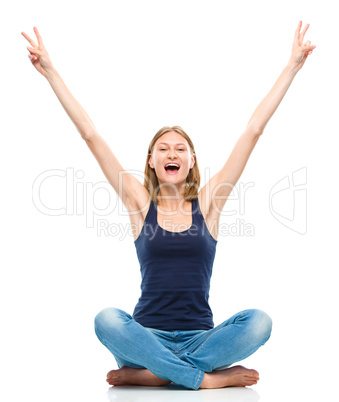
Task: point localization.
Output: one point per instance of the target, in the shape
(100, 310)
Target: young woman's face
(171, 148)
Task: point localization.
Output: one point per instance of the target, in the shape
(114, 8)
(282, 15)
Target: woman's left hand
(300, 50)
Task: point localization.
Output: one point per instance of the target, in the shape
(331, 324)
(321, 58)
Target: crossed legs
(144, 360)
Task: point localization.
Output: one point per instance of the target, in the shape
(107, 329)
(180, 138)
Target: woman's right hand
(38, 54)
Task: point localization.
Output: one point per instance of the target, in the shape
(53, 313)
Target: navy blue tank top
(176, 269)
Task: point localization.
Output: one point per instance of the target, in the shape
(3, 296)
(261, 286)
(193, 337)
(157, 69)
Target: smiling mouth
(172, 169)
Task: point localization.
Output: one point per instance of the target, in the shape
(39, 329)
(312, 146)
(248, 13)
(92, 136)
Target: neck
(171, 197)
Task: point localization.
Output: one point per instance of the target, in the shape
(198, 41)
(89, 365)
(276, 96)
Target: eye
(181, 149)
(162, 149)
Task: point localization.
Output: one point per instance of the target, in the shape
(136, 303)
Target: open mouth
(172, 168)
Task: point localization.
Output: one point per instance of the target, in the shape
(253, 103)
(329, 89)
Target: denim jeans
(182, 356)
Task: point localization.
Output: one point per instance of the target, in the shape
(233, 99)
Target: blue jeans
(182, 356)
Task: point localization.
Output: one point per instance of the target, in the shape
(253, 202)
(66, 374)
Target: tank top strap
(197, 212)
(151, 217)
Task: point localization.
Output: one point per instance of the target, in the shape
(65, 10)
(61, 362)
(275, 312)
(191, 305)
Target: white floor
(172, 392)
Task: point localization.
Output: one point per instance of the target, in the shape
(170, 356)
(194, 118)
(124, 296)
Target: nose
(172, 157)
(172, 154)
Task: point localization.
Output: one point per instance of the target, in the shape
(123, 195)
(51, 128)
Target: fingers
(308, 47)
(297, 31)
(303, 33)
(32, 58)
(298, 35)
(38, 36)
(31, 41)
(35, 51)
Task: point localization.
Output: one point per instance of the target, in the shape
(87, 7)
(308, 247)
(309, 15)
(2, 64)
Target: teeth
(172, 164)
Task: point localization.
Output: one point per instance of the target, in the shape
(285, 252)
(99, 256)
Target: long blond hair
(151, 182)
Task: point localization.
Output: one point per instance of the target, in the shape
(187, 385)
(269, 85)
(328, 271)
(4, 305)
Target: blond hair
(151, 182)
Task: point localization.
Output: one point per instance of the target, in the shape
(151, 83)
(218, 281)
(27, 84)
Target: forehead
(171, 138)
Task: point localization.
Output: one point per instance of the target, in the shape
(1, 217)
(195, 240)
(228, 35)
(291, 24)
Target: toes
(253, 373)
(113, 377)
(250, 382)
(112, 374)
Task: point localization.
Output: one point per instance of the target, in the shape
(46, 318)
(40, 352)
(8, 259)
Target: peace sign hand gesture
(38, 54)
(300, 50)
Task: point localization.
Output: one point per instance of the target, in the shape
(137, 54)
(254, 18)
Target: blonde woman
(171, 335)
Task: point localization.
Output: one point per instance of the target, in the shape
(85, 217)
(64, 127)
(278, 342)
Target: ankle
(206, 381)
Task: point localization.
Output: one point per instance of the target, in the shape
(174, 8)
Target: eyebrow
(179, 143)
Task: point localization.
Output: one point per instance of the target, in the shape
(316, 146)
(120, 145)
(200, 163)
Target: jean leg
(129, 341)
(123, 363)
(232, 341)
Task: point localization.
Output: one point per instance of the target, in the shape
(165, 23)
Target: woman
(171, 336)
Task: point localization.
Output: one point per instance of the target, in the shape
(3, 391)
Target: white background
(136, 66)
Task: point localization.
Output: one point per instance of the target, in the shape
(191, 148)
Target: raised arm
(129, 189)
(266, 108)
(219, 187)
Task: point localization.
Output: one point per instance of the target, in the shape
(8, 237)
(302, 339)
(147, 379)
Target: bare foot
(132, 376)
(237, 376)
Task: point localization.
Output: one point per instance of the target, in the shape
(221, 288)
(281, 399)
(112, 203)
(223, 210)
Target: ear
(192, 161)
(150, 162)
